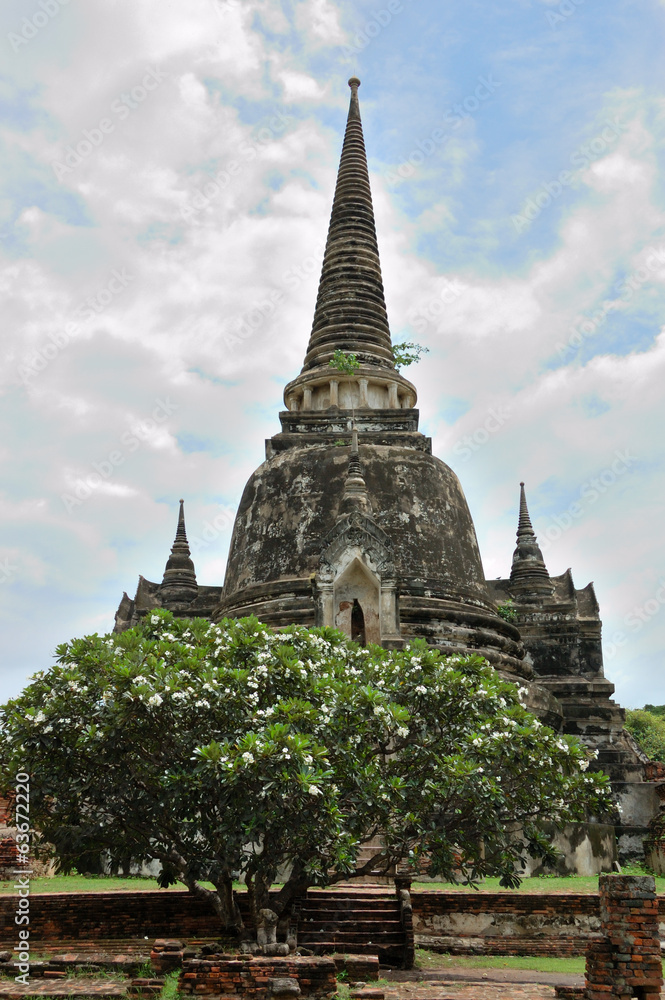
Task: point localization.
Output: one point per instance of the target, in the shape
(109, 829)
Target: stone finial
(354, 106)
(528, 576)
(179, 582)
(350, 313)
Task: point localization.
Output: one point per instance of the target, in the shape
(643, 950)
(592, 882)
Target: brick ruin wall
(91, 915)
(491, 923)
(259, 978)
(625, 963)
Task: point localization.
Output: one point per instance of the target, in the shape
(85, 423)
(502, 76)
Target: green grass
(107, 883)
(170, 988)
(90, 883)
(429, 961)
(547, 883)
(103, 975)
(576, 883)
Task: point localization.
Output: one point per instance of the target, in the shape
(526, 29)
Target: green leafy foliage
(229, 748)
(344, 362)
(648, 730)
(406, 354)
(507, 610)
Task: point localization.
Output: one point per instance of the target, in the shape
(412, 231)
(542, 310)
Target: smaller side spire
(528, 575)
(355, 496)
(179, 583)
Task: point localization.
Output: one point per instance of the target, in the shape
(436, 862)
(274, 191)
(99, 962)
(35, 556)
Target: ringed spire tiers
(528, 574)
(179, 575)
(350, 313)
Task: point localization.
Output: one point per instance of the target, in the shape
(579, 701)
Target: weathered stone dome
(425, 547)
(292, 501)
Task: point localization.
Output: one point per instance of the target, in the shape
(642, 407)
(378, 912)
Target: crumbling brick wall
(626, 964)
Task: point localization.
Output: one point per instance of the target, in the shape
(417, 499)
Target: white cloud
(319, 20)
(299, 87)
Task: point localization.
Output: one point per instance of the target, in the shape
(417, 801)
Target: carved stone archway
(357, 566)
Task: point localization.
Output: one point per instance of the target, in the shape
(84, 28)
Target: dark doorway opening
(358, 623)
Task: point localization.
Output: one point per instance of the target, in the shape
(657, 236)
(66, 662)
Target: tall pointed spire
(179, 583)
(524, 526)
(350, 310)
(528, 575)
(350, 314)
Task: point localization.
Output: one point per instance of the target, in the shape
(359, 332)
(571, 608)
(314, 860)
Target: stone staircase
(353, 921)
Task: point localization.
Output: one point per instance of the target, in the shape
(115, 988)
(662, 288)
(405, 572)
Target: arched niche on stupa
(357, 603)
(356, 584)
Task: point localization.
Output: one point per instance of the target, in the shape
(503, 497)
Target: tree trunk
(222, 899)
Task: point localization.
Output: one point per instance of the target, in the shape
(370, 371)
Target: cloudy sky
(168, 173)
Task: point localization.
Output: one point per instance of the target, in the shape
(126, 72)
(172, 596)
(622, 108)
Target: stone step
(363, 948)
(350, 937)
(379, 896)
(349, 918)
(358, 921)
(392, 956)
(354, 917)
(352, 902)
(350, 906)
(611, 756)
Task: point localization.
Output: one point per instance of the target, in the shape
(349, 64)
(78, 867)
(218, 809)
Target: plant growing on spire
(344, 362)
(406, 354)
(507, 610)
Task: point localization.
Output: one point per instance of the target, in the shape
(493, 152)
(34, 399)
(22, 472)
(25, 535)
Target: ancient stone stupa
(352, 522)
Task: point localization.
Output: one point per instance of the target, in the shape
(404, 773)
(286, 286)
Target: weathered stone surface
(292, 503)
(285, 987)
(358, 968)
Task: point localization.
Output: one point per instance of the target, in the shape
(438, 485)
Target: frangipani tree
(230, 750)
